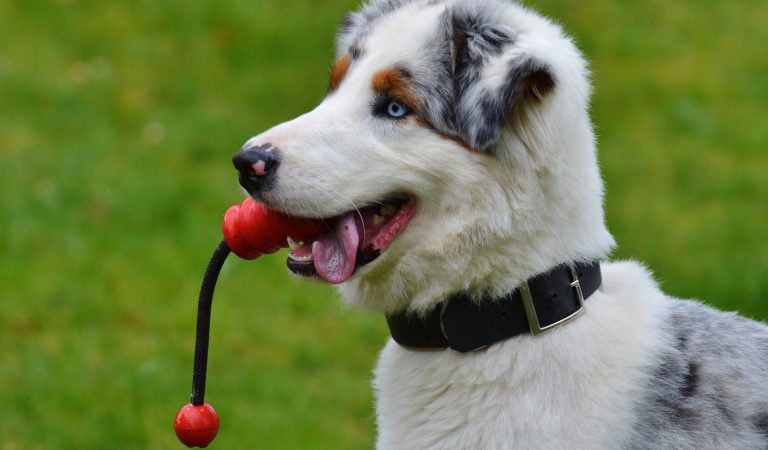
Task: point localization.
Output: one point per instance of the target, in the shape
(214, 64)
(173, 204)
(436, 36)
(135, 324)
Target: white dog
(454, 162)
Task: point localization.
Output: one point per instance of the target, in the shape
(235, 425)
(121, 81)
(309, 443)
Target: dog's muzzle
(257, 167)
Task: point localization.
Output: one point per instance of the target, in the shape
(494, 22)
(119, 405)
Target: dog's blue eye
(396, 109)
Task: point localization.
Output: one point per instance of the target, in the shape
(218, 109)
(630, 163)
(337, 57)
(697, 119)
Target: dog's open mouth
(353, 239)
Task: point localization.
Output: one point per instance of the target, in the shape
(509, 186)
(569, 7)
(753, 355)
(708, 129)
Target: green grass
(117, 122)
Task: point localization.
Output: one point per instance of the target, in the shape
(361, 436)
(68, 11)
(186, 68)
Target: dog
(454, 161)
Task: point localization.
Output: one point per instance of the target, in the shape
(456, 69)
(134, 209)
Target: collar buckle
(530, 308)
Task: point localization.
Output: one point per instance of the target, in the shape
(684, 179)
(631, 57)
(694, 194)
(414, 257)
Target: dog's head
(452, 152)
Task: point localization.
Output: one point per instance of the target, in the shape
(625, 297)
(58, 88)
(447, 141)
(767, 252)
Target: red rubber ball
(196, 426)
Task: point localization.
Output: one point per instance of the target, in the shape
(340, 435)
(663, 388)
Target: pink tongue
(334, 254)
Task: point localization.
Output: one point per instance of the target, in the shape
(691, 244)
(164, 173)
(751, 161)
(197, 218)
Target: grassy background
(117, 122)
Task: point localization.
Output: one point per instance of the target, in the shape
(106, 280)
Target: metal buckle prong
(530, 309)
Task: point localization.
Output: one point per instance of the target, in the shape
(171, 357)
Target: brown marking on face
(451, 137)
(394, 83)
(339, 71)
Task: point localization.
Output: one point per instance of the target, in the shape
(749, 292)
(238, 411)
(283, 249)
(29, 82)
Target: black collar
(540, 304)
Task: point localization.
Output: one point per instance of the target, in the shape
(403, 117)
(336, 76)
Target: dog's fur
(500, 154)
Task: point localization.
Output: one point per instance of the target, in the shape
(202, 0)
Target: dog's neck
(464, 324)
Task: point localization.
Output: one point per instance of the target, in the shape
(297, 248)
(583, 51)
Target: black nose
(257, 167)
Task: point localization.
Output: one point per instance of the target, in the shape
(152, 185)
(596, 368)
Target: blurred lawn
(117, 123)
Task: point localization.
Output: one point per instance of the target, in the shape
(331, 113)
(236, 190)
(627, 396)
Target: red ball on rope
(196, 425)
(251, 229)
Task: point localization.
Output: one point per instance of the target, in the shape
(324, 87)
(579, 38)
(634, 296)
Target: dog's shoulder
(706, 389)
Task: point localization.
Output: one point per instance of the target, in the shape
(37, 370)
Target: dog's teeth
(388, 210)
(377, 220)
(292, 244)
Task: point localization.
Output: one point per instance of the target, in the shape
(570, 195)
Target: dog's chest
(490, 403)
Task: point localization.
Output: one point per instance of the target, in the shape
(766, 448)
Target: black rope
(204, 322)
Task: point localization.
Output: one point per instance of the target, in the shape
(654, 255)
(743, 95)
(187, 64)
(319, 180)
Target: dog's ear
(348, 29)
(493, 79)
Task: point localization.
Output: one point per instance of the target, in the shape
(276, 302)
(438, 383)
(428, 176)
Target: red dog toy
(250, 230)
